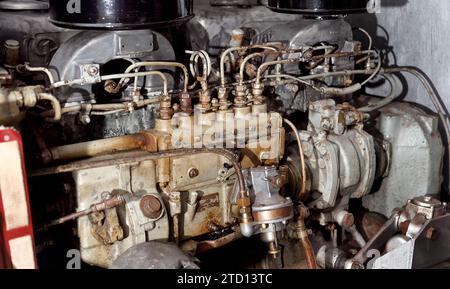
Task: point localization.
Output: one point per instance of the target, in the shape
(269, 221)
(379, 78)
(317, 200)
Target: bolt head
(93, 70)
(151, 207)
(193, 173)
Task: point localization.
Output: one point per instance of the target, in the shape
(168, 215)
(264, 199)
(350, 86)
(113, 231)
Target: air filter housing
(318, 7)
(119, 14)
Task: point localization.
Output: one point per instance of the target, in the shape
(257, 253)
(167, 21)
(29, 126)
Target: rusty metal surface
(147, 140)
(206, 246)
(270, 215)
(151, 206)
(147, 157)
(207, 166)
(106, 226)
(370, 224)
(121, 159)
(99, 207)
(139, 179)
(303, 236)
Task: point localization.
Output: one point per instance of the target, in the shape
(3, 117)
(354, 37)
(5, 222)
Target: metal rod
(301, 156)
(107, 204)
(147, 157)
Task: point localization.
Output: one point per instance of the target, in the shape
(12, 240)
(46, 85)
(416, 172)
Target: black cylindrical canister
(119, 14)
(318, 7)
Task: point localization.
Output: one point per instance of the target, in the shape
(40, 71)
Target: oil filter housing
(119, 14)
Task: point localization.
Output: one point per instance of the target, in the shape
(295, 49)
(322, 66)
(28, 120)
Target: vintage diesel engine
(152, 130)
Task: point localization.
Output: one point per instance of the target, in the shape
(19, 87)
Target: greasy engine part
(145, 140)
(136, 134)
(302, 234)
(119, 14)
(79, 57)
(337, 144)
(334, 35)
(200, 178)
(407, 130)
(155, 255)
(13, 103)
(105, 205)
(340, 155)
(415, 237)
(271, 211)
(212, 207)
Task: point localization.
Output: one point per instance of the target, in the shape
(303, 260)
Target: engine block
(158, 136)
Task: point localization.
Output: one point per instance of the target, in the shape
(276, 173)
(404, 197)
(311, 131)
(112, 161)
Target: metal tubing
(310, 255)
(159, 64)
(108, 204)
(57, 112)
(232, 49)
(40, 69)
(301, 156)
(244, 63)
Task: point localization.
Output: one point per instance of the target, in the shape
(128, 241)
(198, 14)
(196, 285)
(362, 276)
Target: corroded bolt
(110, 86)
(345, 219)
(151, 206)
(186, 103)
(193, 173)
(92, 70)
(165, 108)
